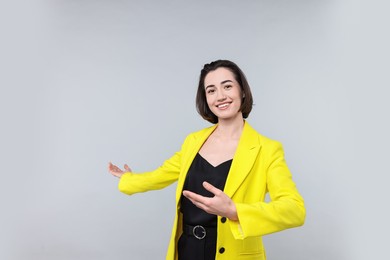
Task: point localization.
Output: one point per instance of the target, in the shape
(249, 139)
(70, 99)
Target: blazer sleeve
(163, 176)
(286, 207)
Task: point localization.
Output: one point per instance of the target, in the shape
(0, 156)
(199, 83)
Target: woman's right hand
(116, 171)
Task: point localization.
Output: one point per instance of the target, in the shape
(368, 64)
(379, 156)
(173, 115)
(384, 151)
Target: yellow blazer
(258, 167)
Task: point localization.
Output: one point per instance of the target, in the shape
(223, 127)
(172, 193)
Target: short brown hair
(201, 103)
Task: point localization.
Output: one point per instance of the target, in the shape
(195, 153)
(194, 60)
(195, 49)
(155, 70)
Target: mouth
(223, 105)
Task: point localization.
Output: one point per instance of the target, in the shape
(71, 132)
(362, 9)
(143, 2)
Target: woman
(224, 173)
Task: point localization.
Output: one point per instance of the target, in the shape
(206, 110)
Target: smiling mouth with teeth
(223, 105)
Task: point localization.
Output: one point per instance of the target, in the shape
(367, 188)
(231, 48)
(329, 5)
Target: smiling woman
(224, 173)
(226, 75)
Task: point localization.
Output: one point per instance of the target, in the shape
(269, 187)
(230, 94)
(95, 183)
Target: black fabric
(190, 247)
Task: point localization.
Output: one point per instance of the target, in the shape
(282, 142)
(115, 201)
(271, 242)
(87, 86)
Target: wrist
(233, 213)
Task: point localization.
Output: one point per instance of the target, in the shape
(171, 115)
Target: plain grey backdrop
(87, 82)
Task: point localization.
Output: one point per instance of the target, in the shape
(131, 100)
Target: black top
(201, 170)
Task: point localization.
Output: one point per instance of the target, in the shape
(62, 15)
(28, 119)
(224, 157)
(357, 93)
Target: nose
(221, 95)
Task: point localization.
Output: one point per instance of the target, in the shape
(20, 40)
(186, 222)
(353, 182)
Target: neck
(230, 128)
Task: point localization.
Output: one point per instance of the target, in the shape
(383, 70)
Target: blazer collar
(243, 160)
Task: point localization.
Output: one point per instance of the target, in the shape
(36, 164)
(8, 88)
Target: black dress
(202, 247)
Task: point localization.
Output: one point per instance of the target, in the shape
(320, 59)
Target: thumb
(127, 168)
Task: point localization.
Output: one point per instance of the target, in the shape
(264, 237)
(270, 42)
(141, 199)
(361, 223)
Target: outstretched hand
(220, 204)
(116, 171)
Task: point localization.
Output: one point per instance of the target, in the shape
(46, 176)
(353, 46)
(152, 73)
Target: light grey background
(87, 82)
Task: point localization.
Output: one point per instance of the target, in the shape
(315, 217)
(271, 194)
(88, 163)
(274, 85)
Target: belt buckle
(200, 229)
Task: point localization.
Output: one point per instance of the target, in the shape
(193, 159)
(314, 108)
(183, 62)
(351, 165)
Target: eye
(210, 91)
(228, 86)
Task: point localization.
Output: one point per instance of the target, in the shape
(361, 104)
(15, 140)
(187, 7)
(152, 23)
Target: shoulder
(198, 135)
(264, 141)
(201, 133)
(267, 141)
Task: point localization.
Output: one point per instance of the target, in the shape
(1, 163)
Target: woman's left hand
(220, 204)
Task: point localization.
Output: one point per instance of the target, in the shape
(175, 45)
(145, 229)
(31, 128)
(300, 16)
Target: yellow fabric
(258, 167)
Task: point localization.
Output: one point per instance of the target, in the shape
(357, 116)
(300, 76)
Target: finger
(116, 174)
(115, 169)
(111, 167)
(193, 202)
(211, 188)
(127, 168)
(197, 203)
(189, 194)
(195, 198)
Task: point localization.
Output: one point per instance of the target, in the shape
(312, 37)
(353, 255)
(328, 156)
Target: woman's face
(223, 94)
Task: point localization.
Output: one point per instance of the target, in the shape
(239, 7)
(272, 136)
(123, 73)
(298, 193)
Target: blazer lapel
(243, 160)
(200, 138)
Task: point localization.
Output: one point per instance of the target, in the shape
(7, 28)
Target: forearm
(131, 183)
(262, 218)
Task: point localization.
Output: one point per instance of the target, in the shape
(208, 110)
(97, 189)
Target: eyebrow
(223, 82)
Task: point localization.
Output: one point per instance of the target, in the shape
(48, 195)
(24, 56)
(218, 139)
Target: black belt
(199, 231)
